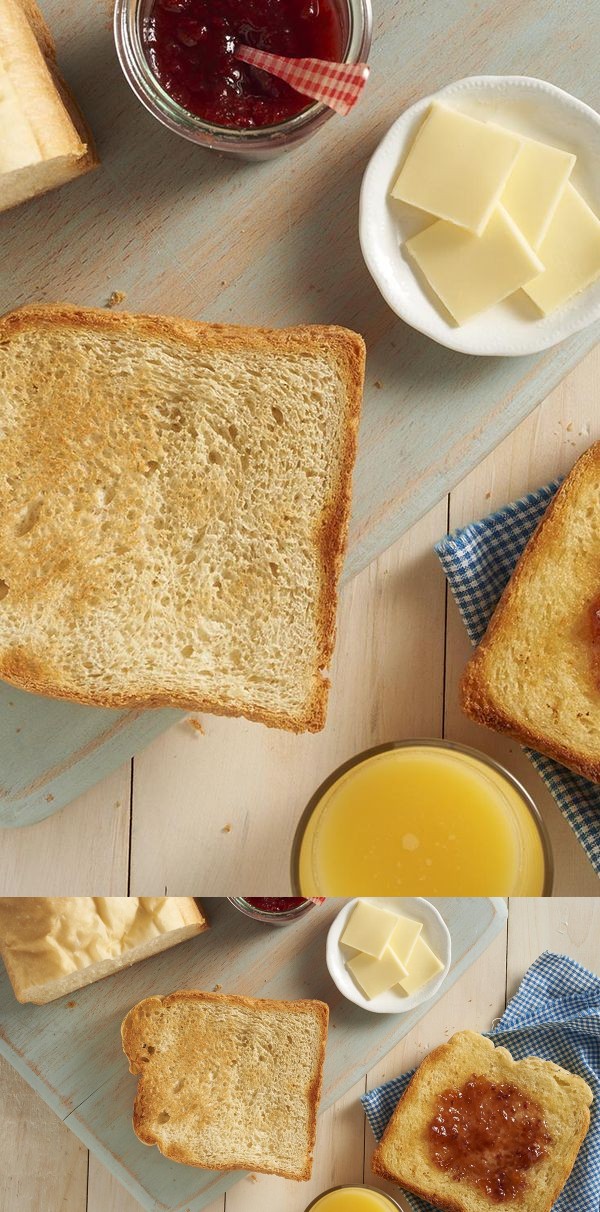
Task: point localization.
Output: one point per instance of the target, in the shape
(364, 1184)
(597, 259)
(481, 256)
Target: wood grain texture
(181, 230)
(70, 1050)
(344, 1142)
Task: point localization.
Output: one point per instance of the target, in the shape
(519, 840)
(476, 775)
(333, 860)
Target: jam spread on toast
(488, 1134)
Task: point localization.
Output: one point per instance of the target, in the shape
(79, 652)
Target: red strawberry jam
(190, 45)
(275, 904)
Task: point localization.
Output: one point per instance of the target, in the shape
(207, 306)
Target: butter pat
(375, 976)
(369, 929)
(570, 253)
(424, 964)
(457, 167)
(535, 187)
(470, 273)
(403, 939)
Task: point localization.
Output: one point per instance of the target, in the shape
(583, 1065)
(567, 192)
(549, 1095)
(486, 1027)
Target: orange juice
(422, 818)
(353, 1199)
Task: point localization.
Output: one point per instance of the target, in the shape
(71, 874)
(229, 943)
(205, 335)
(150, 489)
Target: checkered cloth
(338, 85)
(555, 1014)
(478, 560)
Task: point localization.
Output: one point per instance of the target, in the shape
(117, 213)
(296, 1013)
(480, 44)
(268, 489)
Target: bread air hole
(162, 1117)
(29, 517)
(151, 466)
(188, 650)
(3, 590)
(214, 457)
(179, 1085)
(277, 413)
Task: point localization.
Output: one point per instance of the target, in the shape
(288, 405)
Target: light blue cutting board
(185, 231)
(70, 1050)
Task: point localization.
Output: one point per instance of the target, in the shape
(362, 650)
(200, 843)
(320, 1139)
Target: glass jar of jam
(178, 57)
(274, 910)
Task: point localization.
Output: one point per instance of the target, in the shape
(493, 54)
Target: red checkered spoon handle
(338, 85)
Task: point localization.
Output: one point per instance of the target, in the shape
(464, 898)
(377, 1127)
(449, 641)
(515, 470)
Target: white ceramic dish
(435, 932)
(531, 107)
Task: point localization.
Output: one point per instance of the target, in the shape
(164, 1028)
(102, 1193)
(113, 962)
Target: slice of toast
(555, 1101)
(536, 673)
(174, 501)
(52, 945)
(44, 140)
(228, 1082)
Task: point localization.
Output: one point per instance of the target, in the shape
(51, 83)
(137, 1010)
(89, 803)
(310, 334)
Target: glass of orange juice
(422, 817)
(353, 1199)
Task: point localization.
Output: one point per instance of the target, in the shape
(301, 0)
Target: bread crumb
(17, 729)
(227, 828)
(196, 724)
(487, 496)
(116, 297)
(569, 426)
(49, 798)
(253, 1178)
(378, 384)
(217, 988)
(71, 1005)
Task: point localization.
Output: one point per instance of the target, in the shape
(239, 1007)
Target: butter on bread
(403, 1154)
(174, 503)
(44, 141)
(53, 945)
(228, 1082)
(535, 673)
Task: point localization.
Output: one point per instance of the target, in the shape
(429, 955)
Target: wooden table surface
(219, 810)
(44, 1168)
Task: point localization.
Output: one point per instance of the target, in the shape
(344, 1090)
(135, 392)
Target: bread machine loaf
(52, 945)
(44, 141)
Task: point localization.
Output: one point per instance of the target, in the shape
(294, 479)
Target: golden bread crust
(475, 696)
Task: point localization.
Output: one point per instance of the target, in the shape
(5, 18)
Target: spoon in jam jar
(338, 85)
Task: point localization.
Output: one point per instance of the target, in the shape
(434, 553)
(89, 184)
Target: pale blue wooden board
(72, 1056)
(184, 231)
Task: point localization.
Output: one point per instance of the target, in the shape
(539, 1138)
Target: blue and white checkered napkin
(478, 560)
(555, 1014)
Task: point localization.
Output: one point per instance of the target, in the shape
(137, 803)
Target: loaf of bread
(228, 1083)
(536, 673)
(52, 945)
(475, 1129)
(44, 141)
(174, 502)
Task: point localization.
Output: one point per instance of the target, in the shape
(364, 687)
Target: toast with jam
(477, 1130)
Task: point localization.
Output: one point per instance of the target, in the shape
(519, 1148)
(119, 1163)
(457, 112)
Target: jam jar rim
(353, 1187)
(136, 68)
(424, 743)
(285, 915)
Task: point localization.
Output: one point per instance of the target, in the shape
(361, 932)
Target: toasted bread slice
(52, 945)
(228, 1083)
(536, 673)
(174, 501)
(405, 1154)
(44, 140)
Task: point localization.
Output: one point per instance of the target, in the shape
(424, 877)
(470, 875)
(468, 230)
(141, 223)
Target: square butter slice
(570, 253)
(369, 929)
(403, 939)
(535, 187)
(424, 964)
(470, 273)
(457, 167)
(375, 976)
